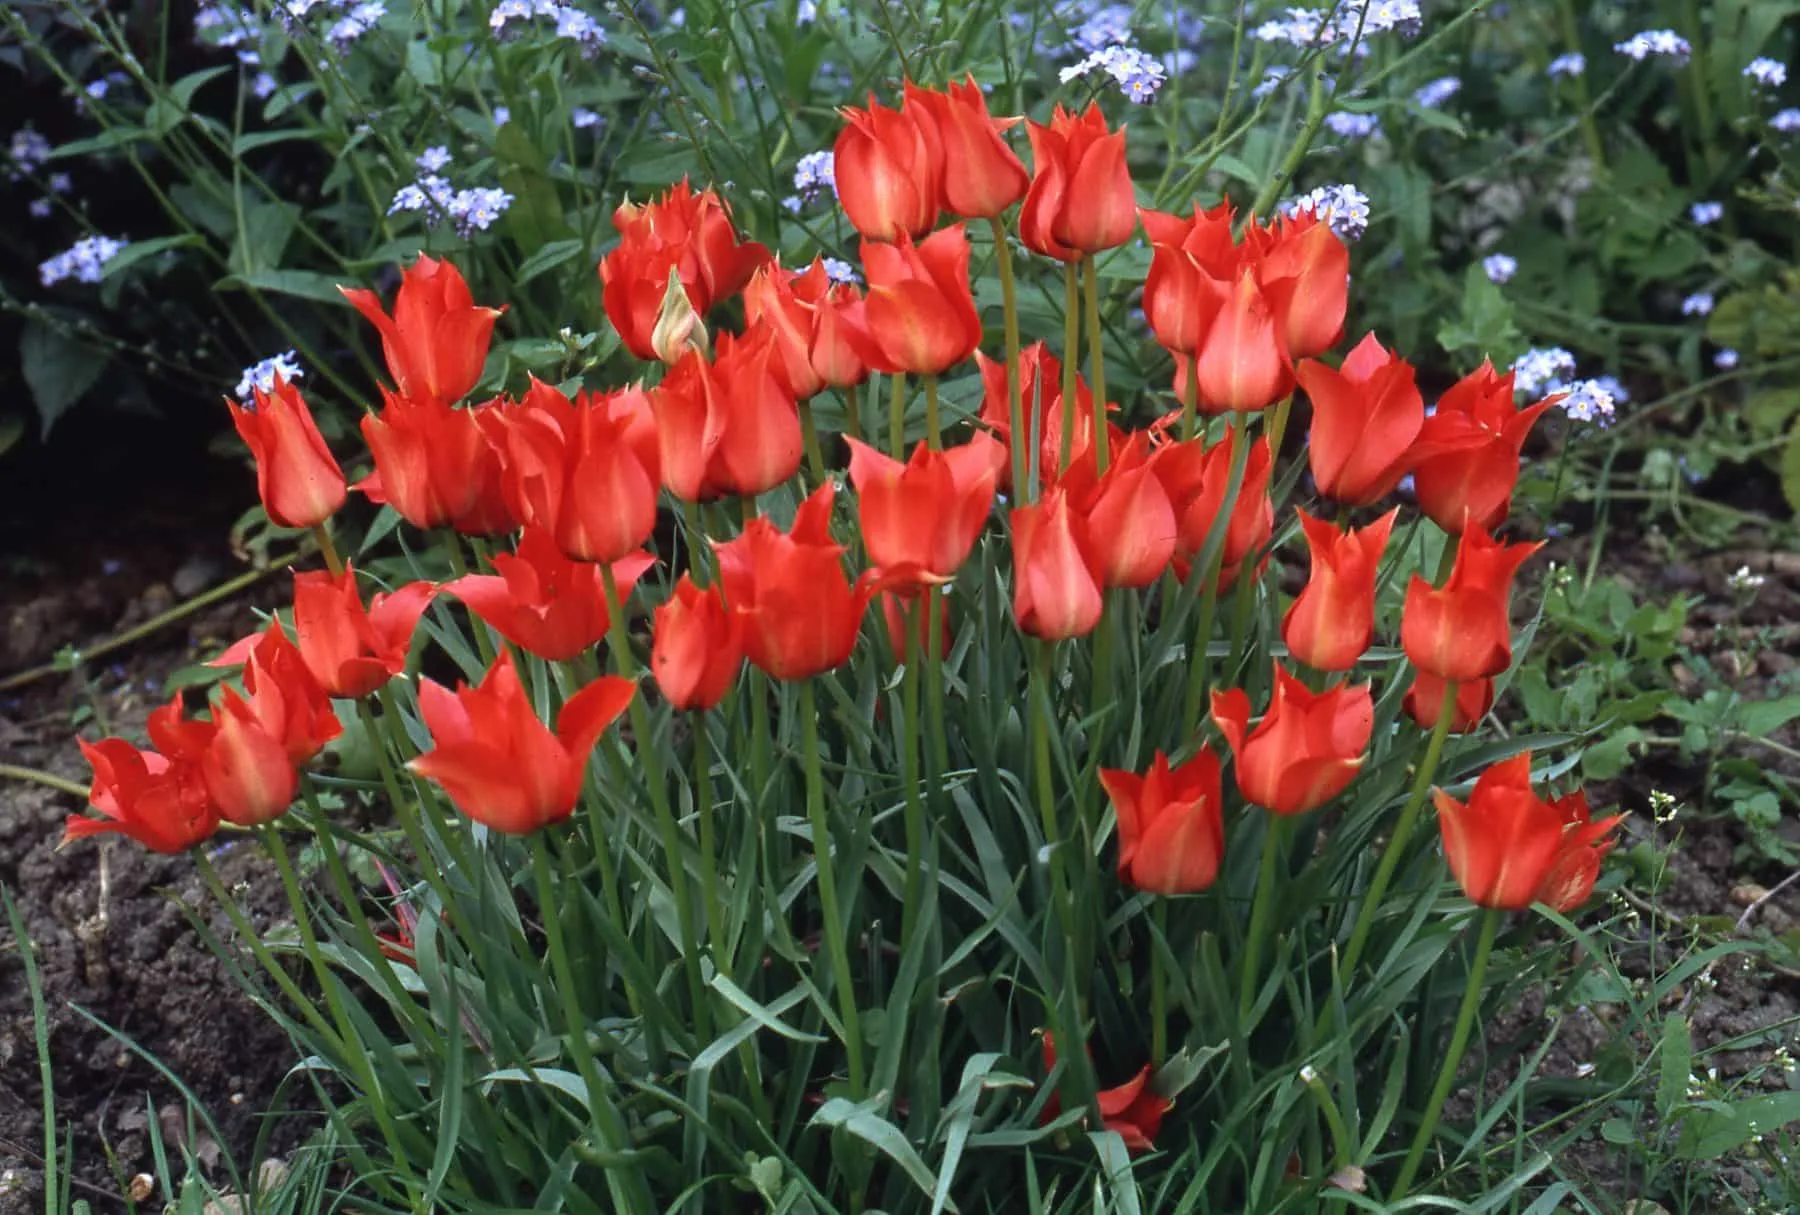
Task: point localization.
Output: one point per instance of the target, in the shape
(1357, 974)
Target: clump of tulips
(819, 918)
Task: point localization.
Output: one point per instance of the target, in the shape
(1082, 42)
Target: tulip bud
(679, 328)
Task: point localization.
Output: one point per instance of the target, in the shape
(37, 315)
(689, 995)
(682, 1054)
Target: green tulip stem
(834, 929)
(1015, 390)
(1096, 359)
(1071, 355)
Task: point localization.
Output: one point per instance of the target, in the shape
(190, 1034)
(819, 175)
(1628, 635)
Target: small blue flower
(583, 118)
(1785, 121)
(1343, 208)
(1137, 74)
(477, 210)
(502, 115)
(262, 375)
(61, 183)
(1704, 213)
(1666, 43)
(1588, 401)
(1725, 360)
(262, 85)
(434, 159)
(1613, 388)
(1435, 94)
(1570, 63)
(1542, 371)
(111, 566)
(1499, 267)
(1346, 125)
(84, 261)
(1770, 73)
(1698, 304)
(815, 173)
(806, 12)
(839, 271)
(1272, 77)
(28, 150)
(40, 208)
(1109, 25)
(794, 203)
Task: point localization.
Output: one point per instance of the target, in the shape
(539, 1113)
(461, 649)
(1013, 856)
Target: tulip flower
(800, 613)
(498, 763)
(1056, 571)
(1463, 629)
(247, 770)
(1425, 701)
(287, 698)
(982, 177)
(889, 168)
(898, 611)
(436, 341)
(1366, 415)
(297, 477)
(919, 317)
(1129, 519)
(730, 426)
(1192, 262)
(1332, 622)
(160, 802)
(1304, 269)
(585, 471)
(433, 465)
(1131, 1110)
(697, 648)
(1307, 748)
(349, 650)
(1040, 376)
(1241, 366)
(684, 232)
(1171, 833)
(921, 518)
(1466, 459)
(1081, 199)
(1195, 477)
(1510, 848)
(807, 313)
(543, 602)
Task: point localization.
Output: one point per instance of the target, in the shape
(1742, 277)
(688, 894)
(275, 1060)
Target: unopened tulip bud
(679, 328)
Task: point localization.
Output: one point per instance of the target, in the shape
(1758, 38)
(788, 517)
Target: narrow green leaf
(882, 1135)
(1677, 1060)
(303, 283)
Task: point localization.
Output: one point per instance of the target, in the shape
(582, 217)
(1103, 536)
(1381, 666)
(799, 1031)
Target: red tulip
(1463, 630)
(585, 471)
(1425, 700)
(1040, 376)
(982, 177)
(1056, 572)
(1467, 454)
(919, 316)
(1366, 415)
(1308, 747)
(1171, 833)
(1304, 269)
(543, 602)
(297, 477)
(921, 518)
(1332, 622)
(286, 697)
(1129, 519)
(498, 762)
(434, 466)
(889, 169)
(684, 232)
(1195, 477)
(730, 426)
(1081, 199)
(351, 651)
(1241, 365)
(806, 312)
(246, 767)
(437, 340)
(159, 802)
(697, 649)
(1193, 261)
(898, 611)
(1509, 848)
(801, 614)
(1131, 1110)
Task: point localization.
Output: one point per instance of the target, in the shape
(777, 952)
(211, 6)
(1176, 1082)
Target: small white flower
(1743, 580)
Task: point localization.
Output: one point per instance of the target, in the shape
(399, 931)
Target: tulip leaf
(545, 258)
(303, 283)
(863, 1122)
(58, 368)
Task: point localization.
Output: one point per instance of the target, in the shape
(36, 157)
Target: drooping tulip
(1510, 848)
(982, 176)
(585, 471)
(800, 612)
(1171, 829)
(1081, 199)
(160, 802)
(543, 602)
(685, 232)
(1307, 748)
(729, 426)
(1056, 572)
(436, 341)
(919, 315)
(697, 647)
(1132, 1110)
(297, 477)
(1463, 629)
(1332, 621)
(1466, 458)
(806, 312)
(1366, 415)
(889, 168)
(921, 518)
(499, 764)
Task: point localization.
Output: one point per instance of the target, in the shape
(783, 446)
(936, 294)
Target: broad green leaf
(1712, 1131)
(303, 283)
(263, 236)
(138, 250)
(1761, 718)
(1677, 1061)
(548, 257)
(58, 369)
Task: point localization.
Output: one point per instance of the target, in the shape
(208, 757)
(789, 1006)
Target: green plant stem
(666, 827)
(1199, 662)
(1071, 357)
(608, 1127)
(1590, 131)
(1096, 359)
(1403, 829)
(828, 895)
(49, 780)
(1274, 835)
(913, 806)
(328, 550)
(897, 417)
(1015, 391)
(1276, 428)
(1159, 986)
(709, 861)
(1190, 399)
(1316, 109)
(809, 434)
(939, 733)
(934, 438)
(1459, 1041)
(853, 412)
(484, 641)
